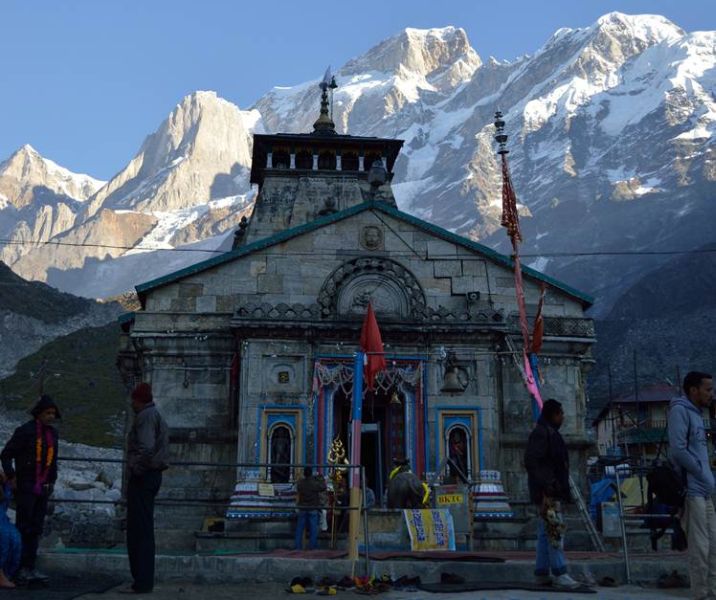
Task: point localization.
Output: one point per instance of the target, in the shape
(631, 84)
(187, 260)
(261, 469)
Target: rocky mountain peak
(27, 176)
(194, 156)
(425, 52)
(648, 28)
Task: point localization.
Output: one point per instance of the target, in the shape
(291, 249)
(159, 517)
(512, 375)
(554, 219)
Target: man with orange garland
(29, 461)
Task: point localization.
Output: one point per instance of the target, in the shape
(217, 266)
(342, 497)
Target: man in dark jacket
(147, 457)
(29, 461)
(310, 491)
(547, 464)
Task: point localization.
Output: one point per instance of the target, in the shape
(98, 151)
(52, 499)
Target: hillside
(78, 370)
(668, 317)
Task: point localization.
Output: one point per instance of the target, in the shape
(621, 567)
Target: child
(9, 538)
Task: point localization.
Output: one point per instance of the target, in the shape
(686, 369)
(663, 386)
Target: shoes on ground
(543, 579)
(565, 582)
(36, 575)
(23, 576)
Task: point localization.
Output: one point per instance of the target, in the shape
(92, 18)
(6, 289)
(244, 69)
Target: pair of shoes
(345, 583)
(451, 578)
(543, 579)
(22, 577)
(565, 582)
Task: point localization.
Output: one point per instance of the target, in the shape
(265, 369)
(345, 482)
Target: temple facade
(250, 353)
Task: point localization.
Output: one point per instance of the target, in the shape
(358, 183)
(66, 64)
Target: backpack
(667, 485)
(666, 494)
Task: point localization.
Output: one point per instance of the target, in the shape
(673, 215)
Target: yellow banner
(430, 529)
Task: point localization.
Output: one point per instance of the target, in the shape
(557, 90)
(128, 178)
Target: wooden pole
(357, 419)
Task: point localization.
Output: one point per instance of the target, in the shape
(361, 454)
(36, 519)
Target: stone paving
(190, 591)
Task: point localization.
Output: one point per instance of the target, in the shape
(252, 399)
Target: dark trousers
(141, 491)
(30, 521)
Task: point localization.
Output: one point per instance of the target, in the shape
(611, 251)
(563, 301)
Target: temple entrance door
(372, 457)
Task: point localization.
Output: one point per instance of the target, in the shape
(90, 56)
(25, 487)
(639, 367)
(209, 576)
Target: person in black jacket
(29, 461)
(147, 458)
(547, 464)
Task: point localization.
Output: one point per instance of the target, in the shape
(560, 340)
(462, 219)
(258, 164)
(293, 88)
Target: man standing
(29, 461)
(547, 464)
(310, 490)
(147, 457)
(688, 451)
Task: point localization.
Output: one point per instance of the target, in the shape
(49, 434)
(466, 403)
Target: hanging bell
(395, 399)
(451, 382)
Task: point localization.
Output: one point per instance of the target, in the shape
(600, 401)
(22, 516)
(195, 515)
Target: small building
(634, 425)
(249, 353)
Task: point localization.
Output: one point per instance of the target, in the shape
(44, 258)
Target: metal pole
(354, 519)
(366, 533)
(627, 568)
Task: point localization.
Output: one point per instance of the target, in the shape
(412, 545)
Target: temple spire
(324, 125)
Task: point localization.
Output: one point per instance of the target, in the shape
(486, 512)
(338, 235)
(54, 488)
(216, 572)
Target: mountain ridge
(580, 113)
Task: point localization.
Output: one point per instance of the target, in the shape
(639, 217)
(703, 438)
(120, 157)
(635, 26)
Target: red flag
(538, 329)
(510, 217)
(371, 343)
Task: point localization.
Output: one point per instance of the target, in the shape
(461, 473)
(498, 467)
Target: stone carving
(561, 326)
(371, 237)
(391, 288)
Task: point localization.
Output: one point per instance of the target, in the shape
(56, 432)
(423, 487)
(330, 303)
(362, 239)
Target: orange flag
(371, 343)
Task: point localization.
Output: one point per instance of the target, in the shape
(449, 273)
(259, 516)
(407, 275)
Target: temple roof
(263, 143)
(287, 234)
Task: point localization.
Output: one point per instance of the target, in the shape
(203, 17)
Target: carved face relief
(371, 238)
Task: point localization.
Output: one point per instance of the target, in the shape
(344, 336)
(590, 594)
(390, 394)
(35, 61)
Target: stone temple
(250, 352)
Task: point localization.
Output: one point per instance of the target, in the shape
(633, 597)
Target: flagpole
(511, 221)
(356, 422)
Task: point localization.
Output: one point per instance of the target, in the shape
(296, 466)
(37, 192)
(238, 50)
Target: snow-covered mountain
(38, 200)
(611, 136)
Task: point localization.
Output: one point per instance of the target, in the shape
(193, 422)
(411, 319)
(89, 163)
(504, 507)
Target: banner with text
(430, 529)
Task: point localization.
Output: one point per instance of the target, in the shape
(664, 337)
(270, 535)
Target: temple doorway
(382, 435)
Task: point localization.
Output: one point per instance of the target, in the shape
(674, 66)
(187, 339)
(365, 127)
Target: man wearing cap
(29, 461)
(147, 457)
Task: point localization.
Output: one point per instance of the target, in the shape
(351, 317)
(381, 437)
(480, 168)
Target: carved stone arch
(393, 290)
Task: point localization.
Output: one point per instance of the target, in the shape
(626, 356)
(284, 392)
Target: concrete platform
(266, 568)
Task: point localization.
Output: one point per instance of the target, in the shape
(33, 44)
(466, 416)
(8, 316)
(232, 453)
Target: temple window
(281, 160)
(327, 161)
(304, 160)
(349, 161)
(280, 453)
(458, 448)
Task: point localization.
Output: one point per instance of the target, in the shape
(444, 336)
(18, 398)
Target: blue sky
(85, 81)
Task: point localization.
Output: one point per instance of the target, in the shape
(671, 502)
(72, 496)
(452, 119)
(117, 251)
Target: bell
(451, 382)
(395, 399)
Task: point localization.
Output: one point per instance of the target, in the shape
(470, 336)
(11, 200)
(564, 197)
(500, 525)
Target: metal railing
(228, 502)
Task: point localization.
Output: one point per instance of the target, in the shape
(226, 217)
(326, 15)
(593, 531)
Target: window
(304, 160)
(459, 450)
(280, 453)
(349, 161)
(281, 160)
(327, 161)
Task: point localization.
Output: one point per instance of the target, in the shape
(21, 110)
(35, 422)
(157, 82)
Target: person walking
(689, 453)
(147, 458)
(547, 464)
(29, 460)
(309, 490)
